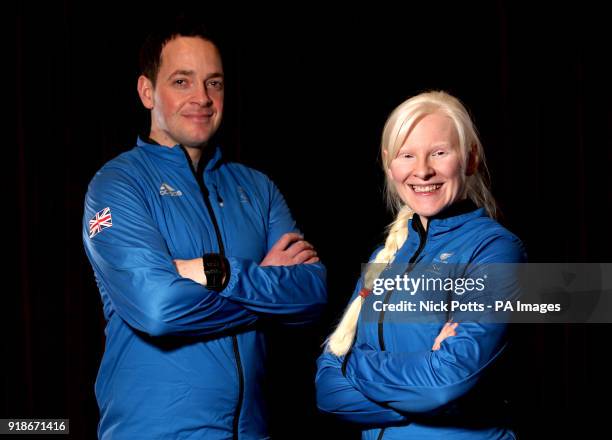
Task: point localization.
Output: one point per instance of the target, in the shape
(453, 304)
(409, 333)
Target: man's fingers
(304, 255)
(285, 240)
(289, 250)
(299, 246)
(313, 259)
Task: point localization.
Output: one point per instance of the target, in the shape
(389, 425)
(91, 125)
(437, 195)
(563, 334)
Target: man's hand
(290, 249)
(447, 331)
(192, 269)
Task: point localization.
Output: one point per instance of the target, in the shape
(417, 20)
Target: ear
(472, 162)
(145, 91)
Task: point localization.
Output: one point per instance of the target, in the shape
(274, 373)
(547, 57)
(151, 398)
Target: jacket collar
(211, 156)
(451, 217)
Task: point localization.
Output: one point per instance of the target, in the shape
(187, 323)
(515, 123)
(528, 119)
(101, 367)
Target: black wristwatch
(216, 269)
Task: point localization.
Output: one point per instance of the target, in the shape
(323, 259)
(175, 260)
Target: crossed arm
(289, 250)
(338, 394)
(385, 387)
(157, 295)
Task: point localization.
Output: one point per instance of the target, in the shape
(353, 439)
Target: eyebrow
(435, 145)
(192, 73)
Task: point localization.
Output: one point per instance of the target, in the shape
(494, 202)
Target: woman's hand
(447, 331)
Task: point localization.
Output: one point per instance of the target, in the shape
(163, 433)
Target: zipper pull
(219, 199)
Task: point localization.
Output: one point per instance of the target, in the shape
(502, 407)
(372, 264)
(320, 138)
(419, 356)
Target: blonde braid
(341, 340)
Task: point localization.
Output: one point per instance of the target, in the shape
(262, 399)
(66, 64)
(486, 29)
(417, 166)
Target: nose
(423, 169)
(201, 96)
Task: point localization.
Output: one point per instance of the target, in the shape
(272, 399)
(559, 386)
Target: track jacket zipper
(411, 263)
(416, 221)
(199, 176)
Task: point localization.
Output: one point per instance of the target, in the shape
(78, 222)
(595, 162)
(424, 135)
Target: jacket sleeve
(132, 263)
(336, 395)
(428, 380)
(293, 294)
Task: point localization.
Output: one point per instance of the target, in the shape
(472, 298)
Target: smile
(202, 117)
(425, 188)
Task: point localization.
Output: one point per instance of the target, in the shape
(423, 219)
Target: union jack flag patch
(101, 220)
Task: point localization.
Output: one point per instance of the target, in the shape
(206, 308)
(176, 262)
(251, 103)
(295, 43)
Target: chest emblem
(445, 256)
(167, 190)
(243, 195)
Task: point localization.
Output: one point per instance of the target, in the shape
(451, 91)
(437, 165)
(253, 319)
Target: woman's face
(427, 170)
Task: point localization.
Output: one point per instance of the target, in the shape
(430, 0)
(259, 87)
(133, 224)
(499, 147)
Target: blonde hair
(397, 128)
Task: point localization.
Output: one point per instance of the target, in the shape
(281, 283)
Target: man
(189, 252)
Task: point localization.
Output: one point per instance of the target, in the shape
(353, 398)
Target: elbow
(432, 400)
(146, 318)
(157, 326)
(326, 409)
(319, 299)
(325, 403)
(316, 293)
(311, 303)
(305, 314)
(158, 329)
(318, 275)
(322, 404)
(324, 400)
(158, 320)
(440, 399)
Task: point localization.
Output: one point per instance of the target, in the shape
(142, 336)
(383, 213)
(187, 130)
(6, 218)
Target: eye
(180, 82)
(439, 153)
(404, 155)
(214, 84)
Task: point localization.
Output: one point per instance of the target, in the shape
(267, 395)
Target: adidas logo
(167, 190)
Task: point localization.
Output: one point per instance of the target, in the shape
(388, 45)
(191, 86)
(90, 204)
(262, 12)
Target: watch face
(214, 268)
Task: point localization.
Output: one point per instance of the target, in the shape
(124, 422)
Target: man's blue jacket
(392, 383)
(182, 361)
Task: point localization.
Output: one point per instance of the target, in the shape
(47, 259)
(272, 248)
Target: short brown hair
(150, 52)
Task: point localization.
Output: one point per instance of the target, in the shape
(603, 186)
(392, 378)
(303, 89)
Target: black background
(309, 89)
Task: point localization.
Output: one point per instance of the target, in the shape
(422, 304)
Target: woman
(401, 379)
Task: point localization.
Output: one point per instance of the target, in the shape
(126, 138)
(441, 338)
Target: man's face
(427, 170)
(187, 100)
